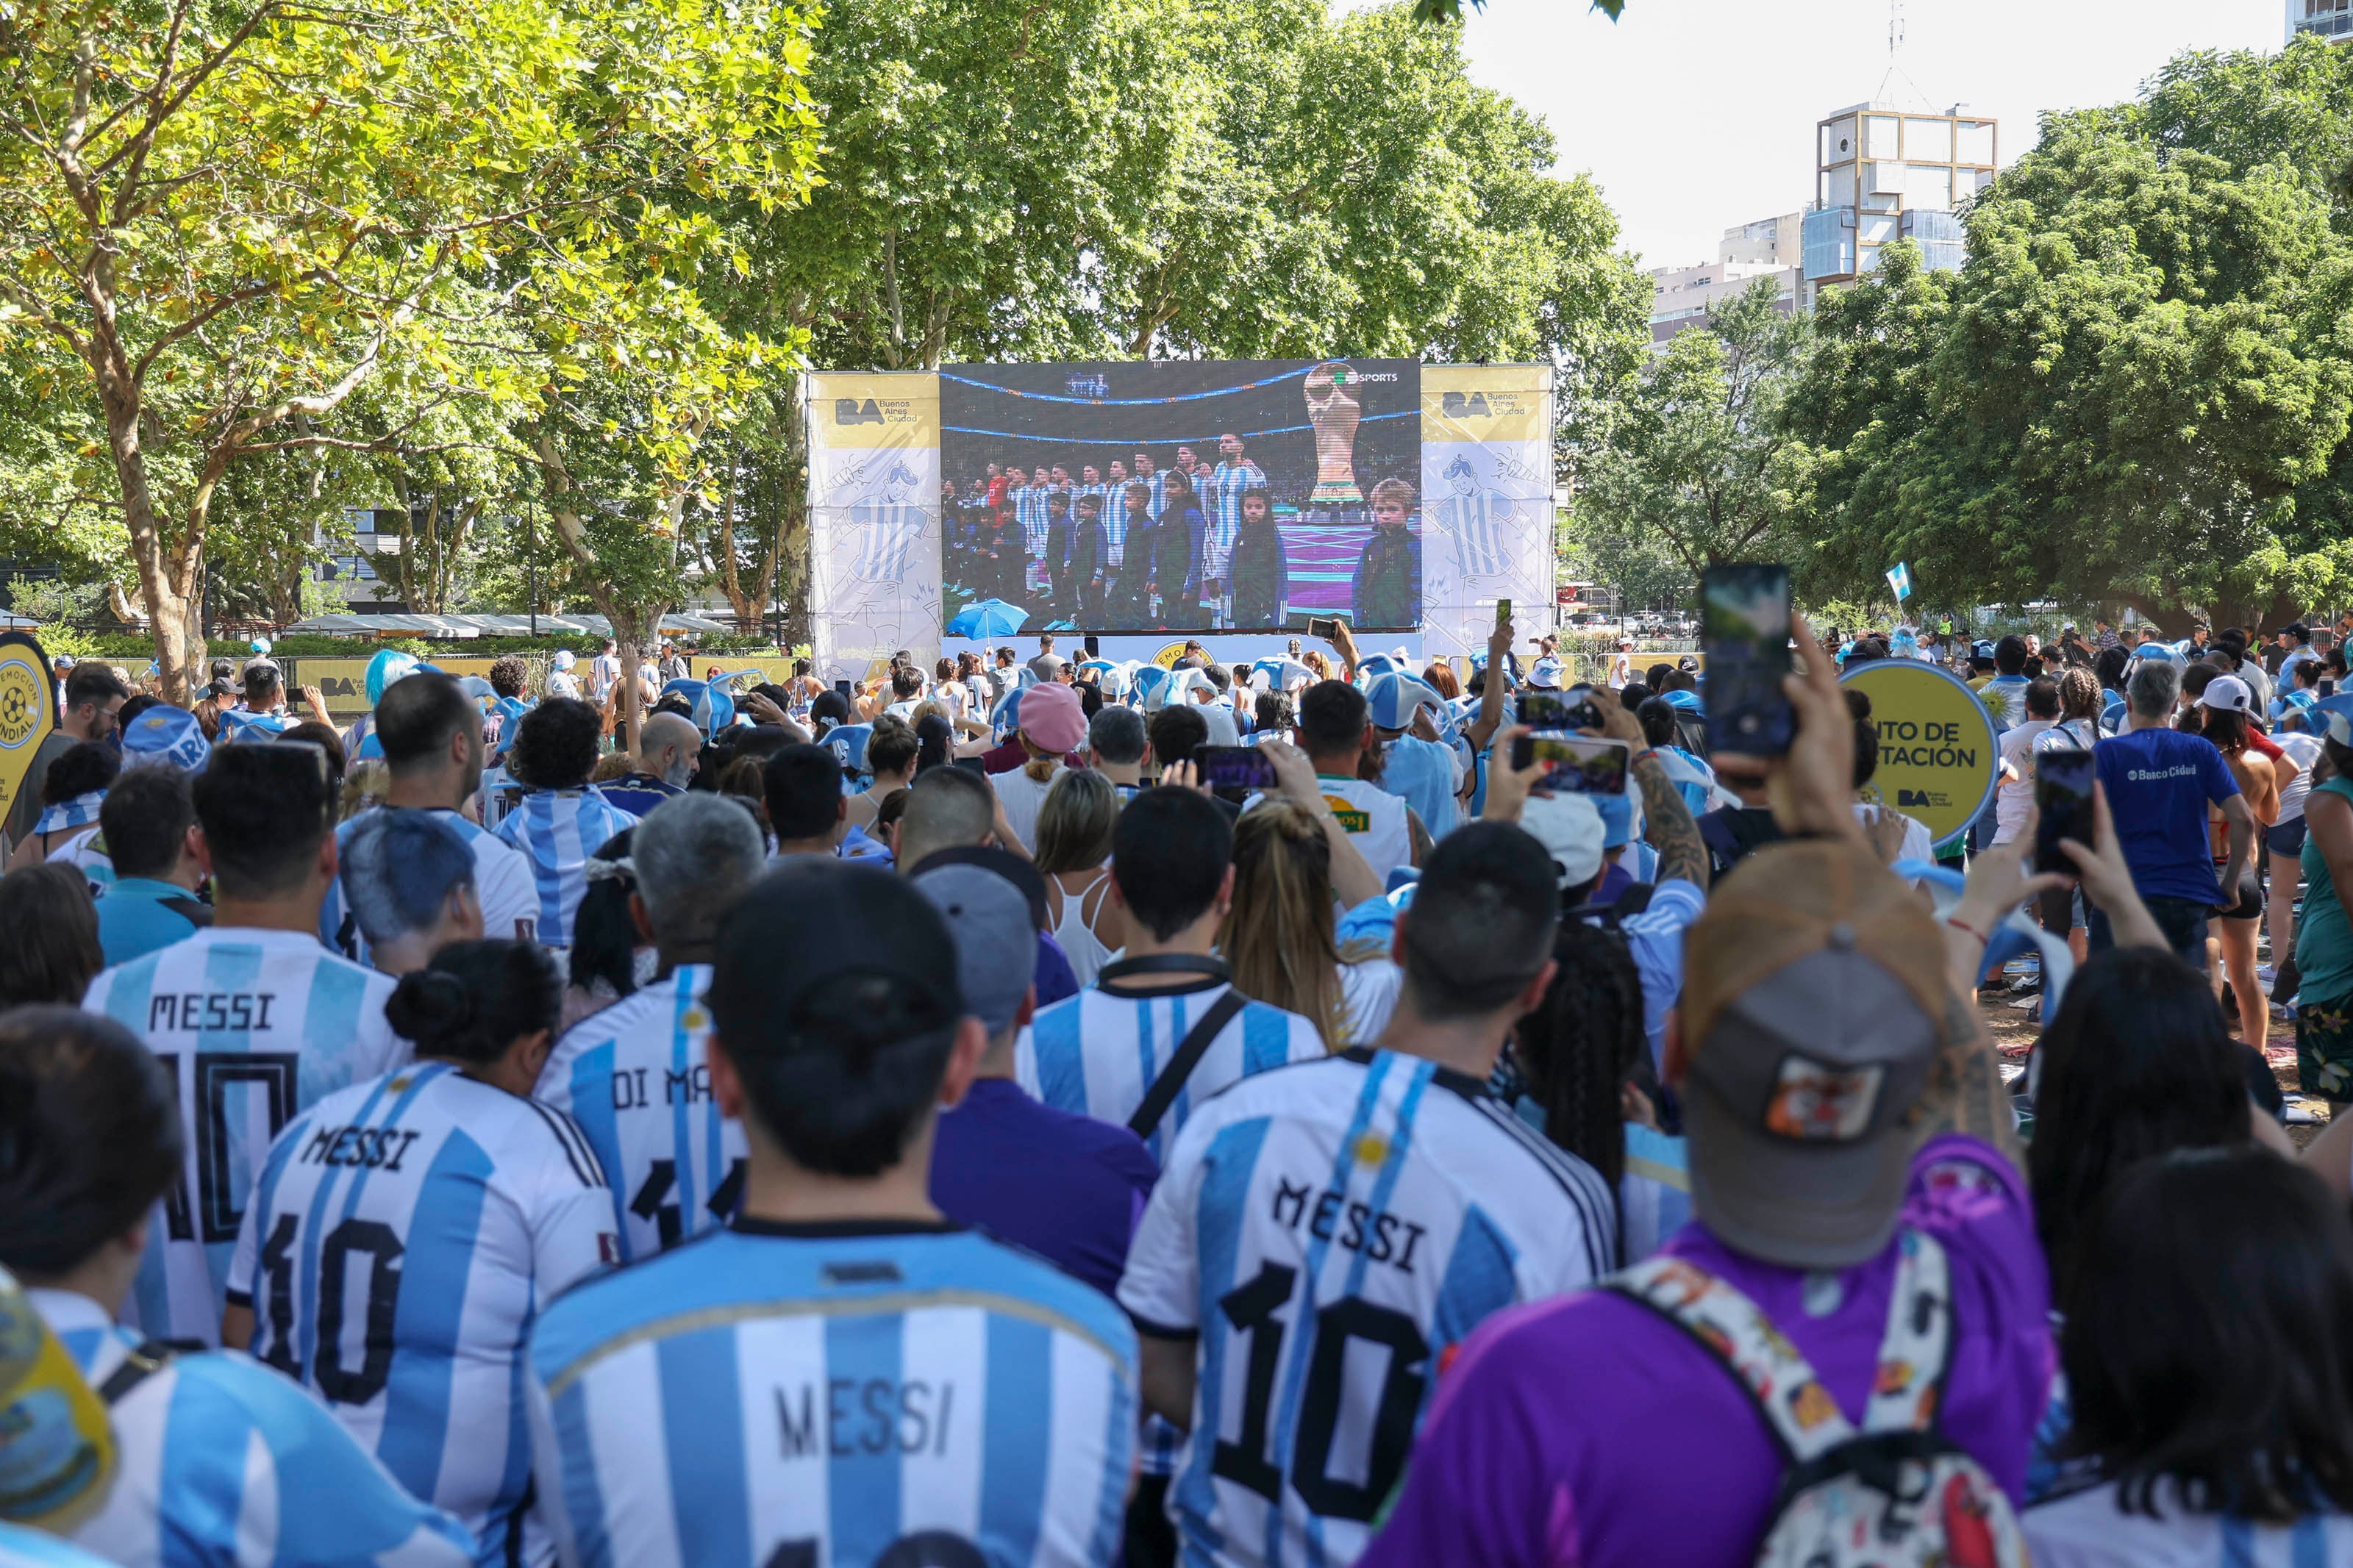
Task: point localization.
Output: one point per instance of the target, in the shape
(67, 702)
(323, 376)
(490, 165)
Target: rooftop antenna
(1894, 47)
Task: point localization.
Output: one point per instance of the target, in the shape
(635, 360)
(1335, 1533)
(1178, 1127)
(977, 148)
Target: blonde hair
(365, 785)
(2079, 694)
(1043, 763)
(1278, 935)
(612, 765)
(1075, 822)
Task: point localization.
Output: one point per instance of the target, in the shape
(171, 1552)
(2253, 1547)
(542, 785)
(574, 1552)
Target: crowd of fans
(937, 1124)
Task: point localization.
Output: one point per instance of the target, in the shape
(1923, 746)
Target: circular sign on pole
(29, 710)
(1937, 757)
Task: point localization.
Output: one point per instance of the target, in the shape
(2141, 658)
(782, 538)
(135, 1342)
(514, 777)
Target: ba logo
(1905, 797)
(850, 411)
(1457, 404)
(1096, 385)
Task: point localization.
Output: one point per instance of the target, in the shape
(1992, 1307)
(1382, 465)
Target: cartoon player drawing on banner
(1483, 523)
(889, 525)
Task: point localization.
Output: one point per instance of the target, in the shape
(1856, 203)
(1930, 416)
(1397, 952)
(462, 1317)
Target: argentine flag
(1899, 577)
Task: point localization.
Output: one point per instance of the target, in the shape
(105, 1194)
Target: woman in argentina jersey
(1323, 1233)
(562, 818)
(406, 1231)
(221, 1463)
(255, 1018)
(840, 1379)
(634, 1076)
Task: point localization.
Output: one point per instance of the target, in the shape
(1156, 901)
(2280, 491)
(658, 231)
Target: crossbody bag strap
(1908, 1385)
(145, 1359)
(1180, 1065)
(1805, 1421)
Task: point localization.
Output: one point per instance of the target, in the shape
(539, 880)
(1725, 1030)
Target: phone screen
(1554, 711)
(1324, 627)
(842, 686)
(2327, 687)
(2062, 795)
(1577, 764)
(1502, 612)
(1745, 631)
(1234, 767)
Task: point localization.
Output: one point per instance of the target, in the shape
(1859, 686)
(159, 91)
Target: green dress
(2323, 961)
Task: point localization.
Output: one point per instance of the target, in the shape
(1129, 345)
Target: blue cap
(1980, 650)
(1685, 699)
(1617, 819)
(165, 737)
(564, 659)
(848, 743)
(1007, 714)
(1372, 667)
(711, 707)
(1151, 682)
(1394, 699)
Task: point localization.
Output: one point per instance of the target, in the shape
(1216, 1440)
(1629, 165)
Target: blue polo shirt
(136, 916)
(638, 794)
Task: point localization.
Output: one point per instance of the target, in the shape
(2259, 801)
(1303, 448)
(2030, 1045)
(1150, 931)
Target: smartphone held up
(1745, 624)
(2062, 799)
(1577, 765)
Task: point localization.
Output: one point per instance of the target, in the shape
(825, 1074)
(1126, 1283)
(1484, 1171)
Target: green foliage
(1451, 10)
(2138, 389)
(1696, 466)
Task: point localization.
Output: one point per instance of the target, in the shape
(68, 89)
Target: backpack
(1897, 1494)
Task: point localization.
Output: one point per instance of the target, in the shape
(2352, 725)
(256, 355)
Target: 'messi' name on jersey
(844, 1417)
(361, 1147)
(182, 1010)
(1331, 1215)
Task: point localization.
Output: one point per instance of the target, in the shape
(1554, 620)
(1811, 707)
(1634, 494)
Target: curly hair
(508, 675)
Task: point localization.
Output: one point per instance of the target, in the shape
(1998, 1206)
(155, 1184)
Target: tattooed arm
(1668, 823)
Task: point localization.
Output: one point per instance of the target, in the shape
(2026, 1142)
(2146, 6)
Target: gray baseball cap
(1812, 1009)
(997, 947)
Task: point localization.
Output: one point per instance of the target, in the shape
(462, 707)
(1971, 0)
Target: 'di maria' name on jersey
(634, 1087)
(1353, 817)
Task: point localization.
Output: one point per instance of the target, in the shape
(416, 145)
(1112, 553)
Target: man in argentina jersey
(403, 1236)
(220, 1462)
(1099, 1052)
(562, 818)
(257, 1020)
(841, 1378)
(633, 1075)
(431, 733)
(1324, 1235)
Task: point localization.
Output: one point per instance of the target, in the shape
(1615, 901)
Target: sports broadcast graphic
(1185, 495)
(1132, 499)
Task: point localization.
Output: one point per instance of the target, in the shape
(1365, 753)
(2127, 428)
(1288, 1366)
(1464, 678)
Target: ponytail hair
(1278, 936)
(475, 999)
(89, 1137)
(1583, 1044)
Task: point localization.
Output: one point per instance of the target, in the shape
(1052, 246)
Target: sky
(1696, 115)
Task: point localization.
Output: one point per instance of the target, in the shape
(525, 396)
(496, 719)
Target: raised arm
(1667, 821)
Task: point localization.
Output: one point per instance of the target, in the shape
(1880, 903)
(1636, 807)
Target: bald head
(668, 748)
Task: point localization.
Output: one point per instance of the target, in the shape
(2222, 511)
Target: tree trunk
(166, 608)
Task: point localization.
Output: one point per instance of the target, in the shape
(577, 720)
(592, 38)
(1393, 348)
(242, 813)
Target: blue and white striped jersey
(834, 1396)
(1328, 1232)
(404, 1234)
(22, 1546)
(256, 1026)
(1031, 510)
(636, 1078)
(1097, 1053)
(557, 830)
(1221, 503)
(224, 1464)
(86, 850)
(502, 883)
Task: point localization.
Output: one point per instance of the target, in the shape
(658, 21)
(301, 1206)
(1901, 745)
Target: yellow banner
(1937, 757)
(1487, 403)
(29, 710)
(876, 410)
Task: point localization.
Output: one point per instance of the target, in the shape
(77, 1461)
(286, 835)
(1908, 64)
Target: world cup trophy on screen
(1335, 412)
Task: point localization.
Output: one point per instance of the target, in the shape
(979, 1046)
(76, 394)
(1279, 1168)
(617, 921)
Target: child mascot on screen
(1386, 590)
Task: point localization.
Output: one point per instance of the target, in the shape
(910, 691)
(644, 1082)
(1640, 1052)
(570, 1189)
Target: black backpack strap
(146, 1359)
(1180, 1066)
(196, 911)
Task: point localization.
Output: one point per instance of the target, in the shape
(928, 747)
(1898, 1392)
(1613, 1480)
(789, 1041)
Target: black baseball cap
(821, 949)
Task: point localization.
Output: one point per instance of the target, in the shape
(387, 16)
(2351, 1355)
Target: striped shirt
(637, 1079)
(836, 1395)
(400, 1244)
(1325, 1233)
(224, 1464)
(1484, 525)
(22, 1546)
(1031, 511)
(557, 830)
(2093, 1529)
(1221, 503)
(1097, 1053)
(255, 1026)
(503, 886)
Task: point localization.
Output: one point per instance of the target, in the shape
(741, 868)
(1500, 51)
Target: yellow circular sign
(1167, 656)
(1937, 757)
(22, 691)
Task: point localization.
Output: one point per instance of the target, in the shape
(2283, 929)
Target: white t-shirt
(2303, 750)
(1375, 821)
(1369, 994)
(1022, 796)
(2017, 794)
(1917, 843)
(1223, 730)
(2089, 1530)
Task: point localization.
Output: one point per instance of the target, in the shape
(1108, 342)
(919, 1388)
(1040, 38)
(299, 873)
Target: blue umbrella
(988, 618)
